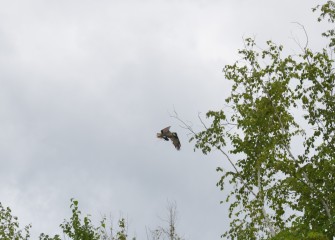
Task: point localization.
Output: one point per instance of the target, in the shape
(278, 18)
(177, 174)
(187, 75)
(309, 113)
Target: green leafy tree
(78, 229)
(278, 134)
(47, 237)
(9, 226)
(108, 233)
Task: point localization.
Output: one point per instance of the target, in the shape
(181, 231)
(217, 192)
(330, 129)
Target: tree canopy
(278, 134)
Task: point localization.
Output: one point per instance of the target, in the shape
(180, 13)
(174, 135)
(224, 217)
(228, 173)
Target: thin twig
(202, 122)
(304, 29)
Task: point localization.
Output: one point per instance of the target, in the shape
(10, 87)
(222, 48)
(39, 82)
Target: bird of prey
(166, 135)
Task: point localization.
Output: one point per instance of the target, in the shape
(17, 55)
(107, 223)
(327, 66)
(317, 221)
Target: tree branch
(244, 183)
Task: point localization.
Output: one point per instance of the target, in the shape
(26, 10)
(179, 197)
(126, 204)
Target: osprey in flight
(166, 135)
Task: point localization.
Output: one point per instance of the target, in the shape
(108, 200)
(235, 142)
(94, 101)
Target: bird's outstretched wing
(175, 140)
(165, 130)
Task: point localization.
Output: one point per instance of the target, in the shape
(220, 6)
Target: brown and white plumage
(166, 135)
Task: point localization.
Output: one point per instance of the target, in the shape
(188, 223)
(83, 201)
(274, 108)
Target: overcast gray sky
(85, 85)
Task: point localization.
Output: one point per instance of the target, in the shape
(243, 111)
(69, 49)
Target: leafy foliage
(76, 228)
(9, 226)
(278, 133)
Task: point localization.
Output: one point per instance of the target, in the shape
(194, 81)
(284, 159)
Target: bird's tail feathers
(159, 135)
